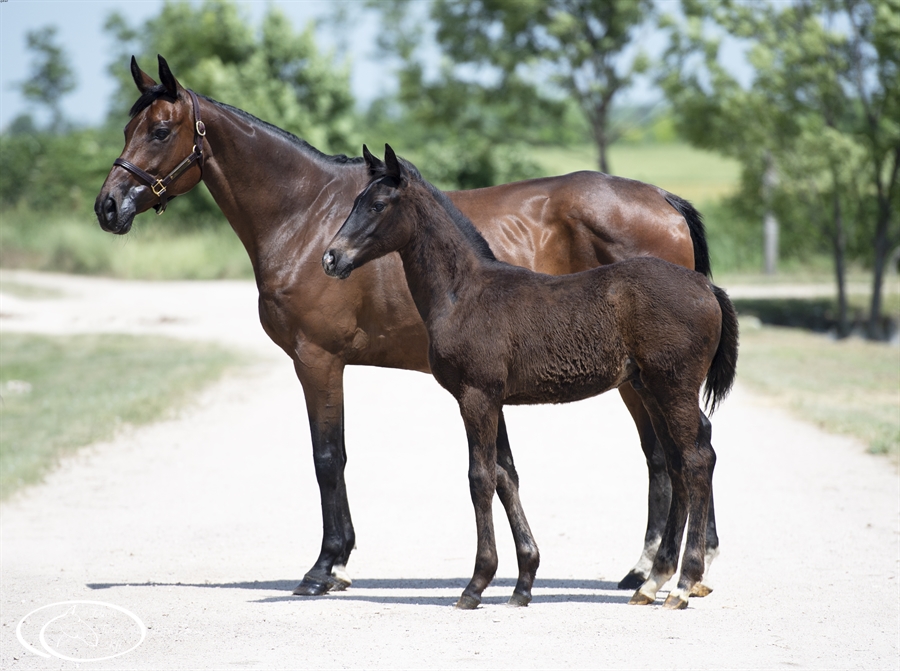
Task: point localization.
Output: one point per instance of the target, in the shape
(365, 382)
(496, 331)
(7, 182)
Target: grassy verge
(152, 251)
(59, 394)
(691, 173)
(849, 386)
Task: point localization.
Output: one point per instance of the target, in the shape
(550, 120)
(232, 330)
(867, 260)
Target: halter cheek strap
(160, 186)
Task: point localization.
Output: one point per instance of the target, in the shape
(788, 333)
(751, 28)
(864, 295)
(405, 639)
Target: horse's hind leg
(659, 492)
(508, 491)
(323, 388)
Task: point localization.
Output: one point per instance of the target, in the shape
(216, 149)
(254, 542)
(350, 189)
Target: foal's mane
(461, 221)
(154, 93)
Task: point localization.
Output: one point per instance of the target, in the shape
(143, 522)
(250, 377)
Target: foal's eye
(161, 133)
(378, 206)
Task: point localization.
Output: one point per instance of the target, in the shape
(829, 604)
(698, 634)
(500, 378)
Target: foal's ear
(394, 169)
(167, 78)
(375, 165)
(141, 79)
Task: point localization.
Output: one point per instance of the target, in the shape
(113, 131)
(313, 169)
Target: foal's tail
(720, 377)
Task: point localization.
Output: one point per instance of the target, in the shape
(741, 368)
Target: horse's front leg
(481, 417)
(321, 375)
(508, 490)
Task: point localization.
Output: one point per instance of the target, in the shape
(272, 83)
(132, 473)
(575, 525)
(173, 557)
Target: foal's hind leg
(703, 587)
(690, 460)
(508, 491)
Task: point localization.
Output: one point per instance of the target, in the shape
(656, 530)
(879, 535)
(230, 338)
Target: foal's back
(555, 339)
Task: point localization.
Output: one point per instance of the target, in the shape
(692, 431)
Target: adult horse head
(163, 154)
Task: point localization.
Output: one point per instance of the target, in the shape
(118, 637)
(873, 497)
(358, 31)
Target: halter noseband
(159, 186)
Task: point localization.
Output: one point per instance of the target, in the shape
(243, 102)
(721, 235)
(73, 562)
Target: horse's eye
(161, 133)
(378, 206)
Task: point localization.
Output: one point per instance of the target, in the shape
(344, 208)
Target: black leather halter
(159, 186)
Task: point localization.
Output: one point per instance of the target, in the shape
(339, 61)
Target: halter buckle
(201, 128)
(161, 191)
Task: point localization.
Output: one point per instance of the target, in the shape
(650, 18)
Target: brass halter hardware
(159, 186)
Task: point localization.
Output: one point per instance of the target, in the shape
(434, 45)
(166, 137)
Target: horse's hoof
(311, 587)
(701, 590)
(675, 602)
(518, 599)
(641, 599)
(468, 602)
(632, 581)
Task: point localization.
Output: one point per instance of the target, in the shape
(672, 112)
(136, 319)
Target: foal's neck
(440, 262)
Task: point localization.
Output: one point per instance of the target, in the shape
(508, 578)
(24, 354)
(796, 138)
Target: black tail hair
(722, 371)
(698, 232)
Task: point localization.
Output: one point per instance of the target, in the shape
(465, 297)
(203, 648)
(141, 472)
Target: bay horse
(500, 334)
(285, 200)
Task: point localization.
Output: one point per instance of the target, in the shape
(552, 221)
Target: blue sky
(80, 32)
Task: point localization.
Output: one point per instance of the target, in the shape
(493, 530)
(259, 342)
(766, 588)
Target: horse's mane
(159, 91)
(462, 222)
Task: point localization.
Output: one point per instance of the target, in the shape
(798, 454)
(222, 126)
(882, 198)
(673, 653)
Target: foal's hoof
(701, 590)
(675, 602)
(468, 602)
(311, 587)
(641, 599)
(315, 587)
(632, 581)
(519, 599)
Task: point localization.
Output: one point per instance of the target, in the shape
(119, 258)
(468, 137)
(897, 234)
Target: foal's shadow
(549, 590)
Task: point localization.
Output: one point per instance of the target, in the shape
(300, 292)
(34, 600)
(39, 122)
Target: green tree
(50, 78)
(822, 108)
(271, 71)
(525, 52)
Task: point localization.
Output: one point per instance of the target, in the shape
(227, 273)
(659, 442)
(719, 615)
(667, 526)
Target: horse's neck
(261, 180)
(439, 262)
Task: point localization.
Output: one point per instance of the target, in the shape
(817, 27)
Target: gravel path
(201, 526)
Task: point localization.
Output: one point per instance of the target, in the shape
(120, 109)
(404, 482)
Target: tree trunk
(770, 222)
(840, 249)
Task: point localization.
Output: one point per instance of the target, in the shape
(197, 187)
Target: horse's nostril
(109, 209)
(328, 260)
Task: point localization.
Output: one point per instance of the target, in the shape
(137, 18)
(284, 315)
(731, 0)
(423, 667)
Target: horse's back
(570, 223)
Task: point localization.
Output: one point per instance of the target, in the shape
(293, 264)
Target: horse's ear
(375, 165)
(141, 78)
(394, 169)
(167, 78)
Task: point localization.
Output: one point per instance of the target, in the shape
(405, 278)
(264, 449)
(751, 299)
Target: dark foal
(500, 334)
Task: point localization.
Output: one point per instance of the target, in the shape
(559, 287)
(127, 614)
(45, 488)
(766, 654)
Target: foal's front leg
(480, 414)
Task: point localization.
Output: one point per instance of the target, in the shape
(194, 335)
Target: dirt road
(189, 535)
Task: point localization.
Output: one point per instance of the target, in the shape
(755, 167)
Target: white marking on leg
(340, 572)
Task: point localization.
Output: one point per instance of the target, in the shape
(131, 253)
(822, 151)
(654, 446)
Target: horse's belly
(561, 389)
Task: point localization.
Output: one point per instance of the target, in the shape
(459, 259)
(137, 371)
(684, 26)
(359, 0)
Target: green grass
(849, 386)
(153, 250)
(59, 394)
(691, 173)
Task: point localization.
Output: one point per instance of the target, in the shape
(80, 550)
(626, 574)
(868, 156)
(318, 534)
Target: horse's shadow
(550, 590)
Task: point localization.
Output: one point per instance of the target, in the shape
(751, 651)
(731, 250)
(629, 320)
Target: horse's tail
(698, 232)
(720, 377)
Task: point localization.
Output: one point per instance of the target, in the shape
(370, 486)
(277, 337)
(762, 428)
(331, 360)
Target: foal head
(376, 226)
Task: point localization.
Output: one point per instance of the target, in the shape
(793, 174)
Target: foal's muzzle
(336, 265)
